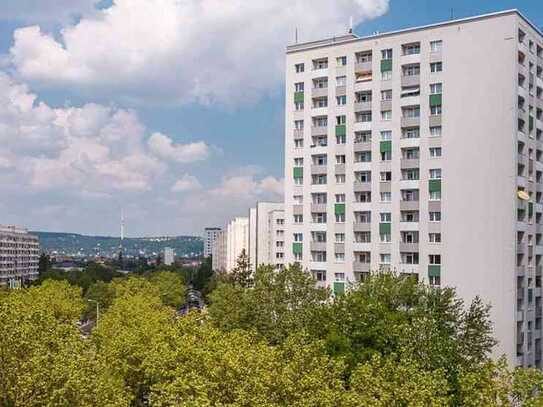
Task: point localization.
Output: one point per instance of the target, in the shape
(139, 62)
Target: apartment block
(230, 243)
(218, 256)
(168, 256)
(420, 151)
(267, 234)
(19, 256)
(210, 237)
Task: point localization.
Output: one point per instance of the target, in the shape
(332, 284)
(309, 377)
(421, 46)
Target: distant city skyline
(124, 120)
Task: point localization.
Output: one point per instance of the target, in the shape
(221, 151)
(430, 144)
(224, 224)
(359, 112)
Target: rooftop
(350, 37)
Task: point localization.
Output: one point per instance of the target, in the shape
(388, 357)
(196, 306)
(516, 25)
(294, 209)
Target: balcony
(339, 168)
(365, 146)
(319, 130)
(362, 186)
(386, 105)
(409, 205)
(410, 121)
(362, 107)
(407, 163)
(298, 133)
(409, 247)
(318, 169)
(410, 80)
(361, 227)
(359, 267)
(435, 120)
(319, 92)
(317, 246)
(522, 159)
(318, 208)
(363, 66)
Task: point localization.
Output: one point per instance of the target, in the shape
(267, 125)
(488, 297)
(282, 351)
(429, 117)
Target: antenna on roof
(351, 25)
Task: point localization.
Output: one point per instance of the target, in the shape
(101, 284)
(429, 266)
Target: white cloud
(186, 183)
(45, 10)
(181, 51)
(92, 149)
(164, 147)
(248, 188)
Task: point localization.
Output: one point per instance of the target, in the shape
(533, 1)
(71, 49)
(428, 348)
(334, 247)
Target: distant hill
(76, 244)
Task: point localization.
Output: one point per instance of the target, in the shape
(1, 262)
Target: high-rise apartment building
(421, 151)
(19, 256)
(210, 237)
(237, 240)
(267, 234)
(218, 255)
(168, 256)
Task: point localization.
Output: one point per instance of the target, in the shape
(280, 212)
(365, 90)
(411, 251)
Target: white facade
(218, 259)
(210, 237)
(169, 256)
(266, 234)
(408, 154)
(237, 240)
(19, 256)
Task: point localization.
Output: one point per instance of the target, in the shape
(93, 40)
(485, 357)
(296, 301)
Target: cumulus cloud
(186, 183)
(247, 188)
(174, 51)
(164, 147)
(92, 148)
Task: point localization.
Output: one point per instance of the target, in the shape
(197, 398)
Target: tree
(280, 303)
(44, 264)
(171, 286)
(241, 274)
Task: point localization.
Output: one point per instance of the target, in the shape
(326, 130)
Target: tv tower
(122, 239)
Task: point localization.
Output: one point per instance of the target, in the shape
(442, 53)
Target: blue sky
(185, 123)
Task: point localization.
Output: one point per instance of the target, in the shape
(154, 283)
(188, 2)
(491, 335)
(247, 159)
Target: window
(340, 258)
(340, 178)
(362, 237)
(299, 68)
(364, 196)
(319, 198)
(362, 137)
(362, 57)
(340, 218)
(434, 237)
(279, 244)
(435, 152)
(410, 258)
(386, 94)
(318, 237)
(319, 217)
(321, 121)
(386, 115)
(412, 132)
(434, 259)
(436, 67)
(340, 237)
(384, 258)
(386, 217)
(341, 61)
(298, 199)
(363, 117)
(411, 111)
(363, 176)
(342, 139)
(386, 196)
(410, 49)
(386, 53)
(319, 275)
(435, 131)
(320, 159)
(320, 83)
(386, 176)
(386, 155)
(410, 174)
(436, 46)
(435, 196)
(298, 143)
(340, 120)
(435, 173)
(299, 124)
(318, 179)
(298, 106)
(385, 237)
(320, 102)
(435, 110)
(411, 70)
(298, 181)
(340, 198)
(386, 75)
(434, 280)
(321, 63)
(298, 218)
(299, 87)
(363, 97)
(340, 159)
(318, 256)
(436, 88)
(386, 135)
(341, 81)
(341, 100)
(435, 216)
(298, 162)
(298, 257)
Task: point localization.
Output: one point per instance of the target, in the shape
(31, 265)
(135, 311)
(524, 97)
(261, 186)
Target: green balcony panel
(386, 146)
(386, 65)
(434, 185)
(339, 288)
(298, 96)
(435, 100)
(530, 209)
(297, 248)
(384, 228)
(298, 172)
(434, 271)
(341, 130)
(339, 209)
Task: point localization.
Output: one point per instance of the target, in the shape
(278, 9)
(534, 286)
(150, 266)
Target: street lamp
(97, 309)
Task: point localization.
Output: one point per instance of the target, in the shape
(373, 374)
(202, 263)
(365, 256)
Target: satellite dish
(523, 195)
